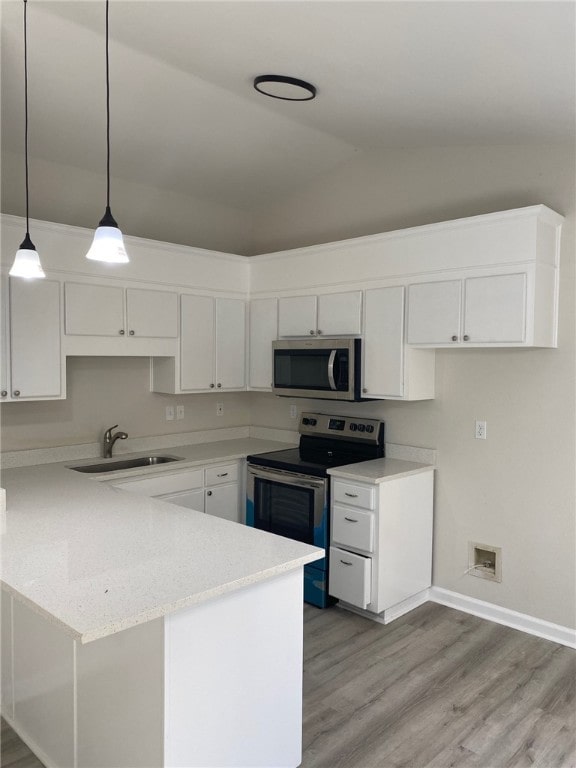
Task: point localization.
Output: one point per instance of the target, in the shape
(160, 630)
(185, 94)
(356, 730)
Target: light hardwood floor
(434, 689)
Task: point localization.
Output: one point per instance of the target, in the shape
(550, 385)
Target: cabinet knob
(208, 493)
(311, 333)
(16, 393)
(364, 389)
(454, 338)
(319, 332)
(219, 385)
(4, 393)
(466, 337)
(211, 386)
(131, 333)
(121, 332)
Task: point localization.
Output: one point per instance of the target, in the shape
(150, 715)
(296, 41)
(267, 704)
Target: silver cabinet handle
(454, 338)
(319, 332)
(4, 393)
(121, 332)
(131, 333)
(208, 493)
(219, 385)
(311, 333)
(350, 519)
(16, 393)
(352, 495)
(364, 389)
(211, 386)
(222, 474)
(466, 338)
(345, 562)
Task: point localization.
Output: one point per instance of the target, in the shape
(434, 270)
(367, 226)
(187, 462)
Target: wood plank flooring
(434, 689)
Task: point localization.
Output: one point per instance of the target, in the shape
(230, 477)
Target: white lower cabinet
(381, 540)
(214, 489)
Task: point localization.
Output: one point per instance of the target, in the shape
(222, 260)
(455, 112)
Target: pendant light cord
(107, 113)
(26, 116)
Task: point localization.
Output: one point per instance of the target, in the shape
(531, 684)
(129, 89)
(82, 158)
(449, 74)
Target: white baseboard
(522, 621)
(394, 612)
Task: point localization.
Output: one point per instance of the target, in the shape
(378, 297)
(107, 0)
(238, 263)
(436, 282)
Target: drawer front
(357, 495)
(350, 576)
(156, 486)
(353, 528)
(225, 473)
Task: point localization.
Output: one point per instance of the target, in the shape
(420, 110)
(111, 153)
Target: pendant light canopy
(108, 244)
(27, 261)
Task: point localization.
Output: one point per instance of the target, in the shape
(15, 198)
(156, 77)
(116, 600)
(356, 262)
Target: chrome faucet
(109, 440)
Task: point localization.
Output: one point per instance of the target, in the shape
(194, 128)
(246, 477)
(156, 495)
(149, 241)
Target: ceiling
(185, 117)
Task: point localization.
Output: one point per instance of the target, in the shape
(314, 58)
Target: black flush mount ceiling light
(284, 87)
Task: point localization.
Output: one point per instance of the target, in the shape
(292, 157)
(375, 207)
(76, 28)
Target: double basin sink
(115, 466)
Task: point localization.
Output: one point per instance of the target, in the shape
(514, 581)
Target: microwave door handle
(331, 361)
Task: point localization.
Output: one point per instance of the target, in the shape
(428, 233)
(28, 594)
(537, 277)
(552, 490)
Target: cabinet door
(35, 338)
(434, 312)
(340, 314)
(222, 501)
(230, 344)
(153, 314)
(383, 344)
(4, 341)
(495, 308)
(196, 342)
(263, 331)
(297, 316)
(188, 499)
(94, 310)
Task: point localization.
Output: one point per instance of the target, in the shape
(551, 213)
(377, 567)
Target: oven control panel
(341, 427)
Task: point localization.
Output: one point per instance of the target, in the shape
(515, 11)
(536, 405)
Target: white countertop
(96, 560)
(379, 470)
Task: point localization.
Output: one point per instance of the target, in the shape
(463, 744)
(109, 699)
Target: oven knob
(305, 421)
(312, 422)
(353, 427)
(361, 427)
(369, 428)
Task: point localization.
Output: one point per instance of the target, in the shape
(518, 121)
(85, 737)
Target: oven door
(288, 504)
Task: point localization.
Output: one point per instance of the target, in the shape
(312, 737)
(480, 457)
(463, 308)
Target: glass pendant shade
(27, 261)
(108, 243)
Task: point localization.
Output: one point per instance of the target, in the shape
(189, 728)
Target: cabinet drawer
(225, 473)
(352, 528)
(357, 495)
(157, 486)
(350, 577)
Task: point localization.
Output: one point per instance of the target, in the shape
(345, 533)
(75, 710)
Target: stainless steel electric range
(288, 492)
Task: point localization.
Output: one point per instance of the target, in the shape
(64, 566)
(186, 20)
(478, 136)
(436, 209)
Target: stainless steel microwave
(326, 369)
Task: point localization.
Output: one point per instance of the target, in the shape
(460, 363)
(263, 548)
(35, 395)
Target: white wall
(516, 490)
(200, 223)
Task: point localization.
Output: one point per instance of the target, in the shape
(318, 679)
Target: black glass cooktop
(314, 462)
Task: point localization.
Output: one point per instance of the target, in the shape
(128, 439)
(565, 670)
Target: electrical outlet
(219, 409)
(293, 411)
(169, 413)
(480, 433)
(179, 412)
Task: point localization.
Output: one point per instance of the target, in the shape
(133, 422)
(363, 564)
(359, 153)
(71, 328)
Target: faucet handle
(108, 433)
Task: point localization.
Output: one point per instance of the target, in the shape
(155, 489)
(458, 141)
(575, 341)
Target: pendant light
(27, 261)
(108, 244)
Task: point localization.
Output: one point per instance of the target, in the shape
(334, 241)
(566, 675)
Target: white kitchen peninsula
(137, 633)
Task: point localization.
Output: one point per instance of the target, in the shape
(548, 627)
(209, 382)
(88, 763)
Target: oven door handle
(288, 478)
(331, 361)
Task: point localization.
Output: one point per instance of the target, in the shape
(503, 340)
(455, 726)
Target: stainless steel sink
(114, 465)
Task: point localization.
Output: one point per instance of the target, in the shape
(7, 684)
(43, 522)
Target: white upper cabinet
(330, 314)
(263, 331)
(212, 354)
(390, 370)
(481, 310)
(104, 310)
(153, 314)
(33, 367)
